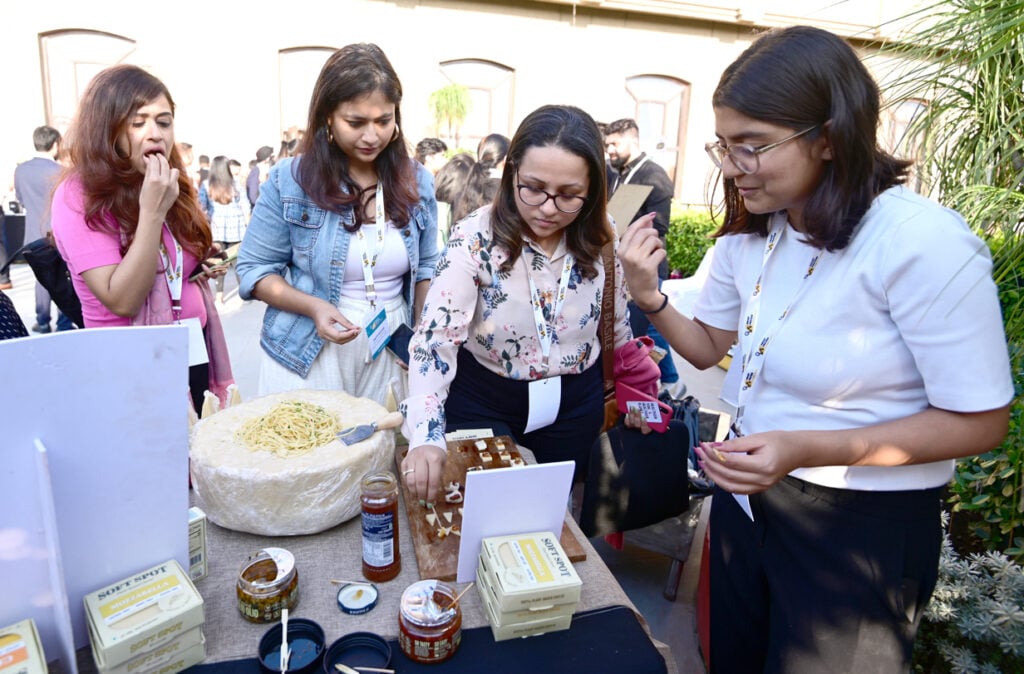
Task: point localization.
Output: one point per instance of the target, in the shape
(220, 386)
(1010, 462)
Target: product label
(379, 538)
(13, 650)
(158, 592)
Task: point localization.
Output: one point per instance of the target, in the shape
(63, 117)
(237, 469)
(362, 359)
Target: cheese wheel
(260, 492)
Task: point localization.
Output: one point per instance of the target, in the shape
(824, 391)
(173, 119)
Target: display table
(337, 554)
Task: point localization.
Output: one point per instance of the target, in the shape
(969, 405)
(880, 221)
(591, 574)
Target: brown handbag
(607, 337)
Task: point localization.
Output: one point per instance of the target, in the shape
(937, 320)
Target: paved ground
(641, 573)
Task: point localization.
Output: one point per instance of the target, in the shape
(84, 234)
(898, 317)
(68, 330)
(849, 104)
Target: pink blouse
(84, 249)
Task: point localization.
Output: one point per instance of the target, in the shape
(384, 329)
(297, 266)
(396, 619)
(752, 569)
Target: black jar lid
(305, 646)
(358, 649)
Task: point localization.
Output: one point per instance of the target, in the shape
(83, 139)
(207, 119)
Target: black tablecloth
(602, 640)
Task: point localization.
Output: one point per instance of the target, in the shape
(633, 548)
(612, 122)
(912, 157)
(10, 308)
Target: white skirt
(347, 367)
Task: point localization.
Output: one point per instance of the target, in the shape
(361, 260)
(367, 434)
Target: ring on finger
(406, 472)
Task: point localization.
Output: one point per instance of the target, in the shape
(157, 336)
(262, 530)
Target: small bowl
(305, 643)
(358, 649)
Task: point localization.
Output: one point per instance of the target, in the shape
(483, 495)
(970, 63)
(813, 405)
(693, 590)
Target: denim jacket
(291, 236)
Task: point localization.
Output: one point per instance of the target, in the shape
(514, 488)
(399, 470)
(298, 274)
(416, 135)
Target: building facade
(242, 74)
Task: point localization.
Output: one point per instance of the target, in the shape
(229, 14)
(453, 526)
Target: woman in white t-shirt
(872, 355)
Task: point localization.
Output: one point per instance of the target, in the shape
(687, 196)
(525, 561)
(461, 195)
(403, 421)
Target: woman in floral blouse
(509, 329)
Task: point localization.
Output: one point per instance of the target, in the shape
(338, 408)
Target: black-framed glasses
(747, 158)
(534, 196)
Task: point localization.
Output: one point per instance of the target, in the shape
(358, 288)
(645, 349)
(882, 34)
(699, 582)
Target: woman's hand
(750, 464)
(640, 252)
(159, 188)
(331, 325)
(635, 419)
(422, 470)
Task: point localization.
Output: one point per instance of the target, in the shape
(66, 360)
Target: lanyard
(370, 262)
(544, 328)
(754, 356)
(173, 275)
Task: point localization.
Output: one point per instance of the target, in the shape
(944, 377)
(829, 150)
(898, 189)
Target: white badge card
(545, 397)
(377, 332)
(197, 354)
(649, 410)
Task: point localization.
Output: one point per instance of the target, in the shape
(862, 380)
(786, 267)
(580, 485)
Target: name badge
(545, 398)
(377, 332)
(197, 354)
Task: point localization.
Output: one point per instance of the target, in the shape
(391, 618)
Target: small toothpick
(459, 595)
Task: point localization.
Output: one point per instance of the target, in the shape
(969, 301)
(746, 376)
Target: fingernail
(430, 504)
(423, 503)
(716, 444)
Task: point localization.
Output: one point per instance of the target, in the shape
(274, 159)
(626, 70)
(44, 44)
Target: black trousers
(479, 395)
(823, 580)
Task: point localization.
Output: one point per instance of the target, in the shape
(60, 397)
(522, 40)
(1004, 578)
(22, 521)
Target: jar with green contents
(267, 583)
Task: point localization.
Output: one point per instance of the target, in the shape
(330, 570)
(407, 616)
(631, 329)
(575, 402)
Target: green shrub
(974, 621)
(688, 239)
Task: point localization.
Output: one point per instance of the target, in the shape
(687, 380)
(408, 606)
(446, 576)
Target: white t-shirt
(392, 264)
(904, 317)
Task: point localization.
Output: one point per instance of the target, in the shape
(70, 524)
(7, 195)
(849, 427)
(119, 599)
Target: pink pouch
(634, 366)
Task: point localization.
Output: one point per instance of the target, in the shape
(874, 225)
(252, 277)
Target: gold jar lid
(268, 571)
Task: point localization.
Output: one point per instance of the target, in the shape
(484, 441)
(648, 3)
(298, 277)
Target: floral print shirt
(473, 305)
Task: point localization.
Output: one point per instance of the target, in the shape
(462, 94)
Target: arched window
(299, 68)
(662, 110)
(491, 86)
(69, 60)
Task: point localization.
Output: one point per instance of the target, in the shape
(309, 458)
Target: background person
(632, 166)
(873, 356)
(258, 173)
(225, 206)
(127, 221)
(352, 222)
(34, 181)
(484, 177)
(515, 306)
(432, 153)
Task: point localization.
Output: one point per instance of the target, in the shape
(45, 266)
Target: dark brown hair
(574, 131)
(801, 77)
(110, 183)
(323, 171)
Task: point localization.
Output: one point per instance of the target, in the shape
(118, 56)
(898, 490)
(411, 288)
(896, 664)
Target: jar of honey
(429, 622)
(267, 582)
(381, 558)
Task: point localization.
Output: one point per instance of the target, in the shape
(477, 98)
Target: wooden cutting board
(437, 556)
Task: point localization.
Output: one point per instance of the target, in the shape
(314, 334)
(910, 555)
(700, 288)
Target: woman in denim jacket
(343, 239)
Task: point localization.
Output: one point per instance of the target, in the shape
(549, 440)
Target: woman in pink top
(126, 218)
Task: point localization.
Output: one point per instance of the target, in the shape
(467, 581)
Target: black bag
(52, 273)
(703, 427)
(635, 480)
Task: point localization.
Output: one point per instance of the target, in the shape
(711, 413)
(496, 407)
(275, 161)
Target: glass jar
(267, 582)
(381, 558)
(429, 622)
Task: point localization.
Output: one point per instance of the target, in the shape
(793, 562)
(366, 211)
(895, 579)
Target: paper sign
(110, 406)
(505, 501)
(625, 203)
(545, 399)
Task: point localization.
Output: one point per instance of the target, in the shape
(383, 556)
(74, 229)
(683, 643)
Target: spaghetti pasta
(290, 429)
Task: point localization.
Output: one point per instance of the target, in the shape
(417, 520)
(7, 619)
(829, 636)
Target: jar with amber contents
(429, 621)
(381, 559)
(267, 582)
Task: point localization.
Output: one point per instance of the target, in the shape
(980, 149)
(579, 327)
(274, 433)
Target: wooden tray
(436, 556)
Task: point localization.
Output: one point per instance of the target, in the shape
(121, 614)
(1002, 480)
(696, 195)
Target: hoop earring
(395, 136)
(330, 136)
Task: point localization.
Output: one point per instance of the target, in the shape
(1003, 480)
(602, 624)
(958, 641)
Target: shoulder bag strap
(607, 324)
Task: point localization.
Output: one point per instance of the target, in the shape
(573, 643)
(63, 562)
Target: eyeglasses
(746, 158)
(534, 196)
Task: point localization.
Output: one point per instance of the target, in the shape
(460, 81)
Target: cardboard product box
(156, 658)
(196, 543)
(142, 612)
(184, 660)
(527, 628)
(20, 650)
(527, 570)
(534, 613)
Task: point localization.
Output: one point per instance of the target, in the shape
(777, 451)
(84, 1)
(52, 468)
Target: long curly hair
(110, 183)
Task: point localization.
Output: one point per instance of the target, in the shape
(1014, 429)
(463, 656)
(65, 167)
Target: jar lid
(429, 603)
(267, 569)
(358, 649)
(305, 647)
(357, 598)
